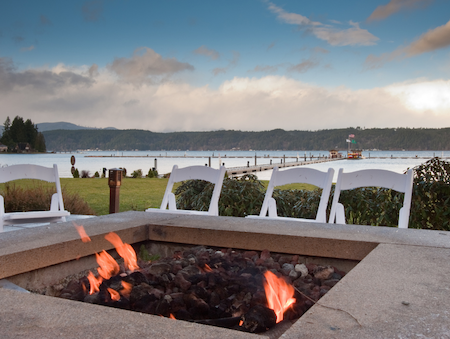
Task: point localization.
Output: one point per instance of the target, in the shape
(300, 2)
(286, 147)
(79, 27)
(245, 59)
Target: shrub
(152, 173)
(430, 208)
(363, 206)
(239, 197)
(97, 175)
(37, 198)
(76, 174)
(371, 206)
(137, 174)
(297, 203)
(85, 174)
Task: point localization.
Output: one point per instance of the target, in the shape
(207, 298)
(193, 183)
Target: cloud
(272, 45)
(242, 103)
(347, 37)
(92, 10)
(39, 81)
(334, 36)
(45, 21)
(394, 6)
(210, 53)
(264, 69)
(303, 66)
(233, 62)
(93, 71)
(27, 49)
(424, 95)
(18, 38)
(146, 65)
(432, 40)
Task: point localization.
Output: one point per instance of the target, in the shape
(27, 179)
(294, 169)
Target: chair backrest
(373, 178)
(28, 171)
(212, 175)
(304, 175)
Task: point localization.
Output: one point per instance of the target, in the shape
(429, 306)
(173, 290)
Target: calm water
(144, 160)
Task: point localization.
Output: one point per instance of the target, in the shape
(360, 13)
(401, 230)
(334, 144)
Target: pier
(233, 171)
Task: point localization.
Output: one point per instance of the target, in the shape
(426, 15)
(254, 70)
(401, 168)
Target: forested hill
(383, 139)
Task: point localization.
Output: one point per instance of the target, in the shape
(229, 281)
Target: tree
(22, 132)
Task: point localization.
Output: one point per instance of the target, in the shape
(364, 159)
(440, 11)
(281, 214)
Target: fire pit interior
(243, 290)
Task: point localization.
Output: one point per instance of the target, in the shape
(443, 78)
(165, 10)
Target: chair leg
(272, 208)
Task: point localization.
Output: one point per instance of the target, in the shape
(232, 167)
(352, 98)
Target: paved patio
(399, 288)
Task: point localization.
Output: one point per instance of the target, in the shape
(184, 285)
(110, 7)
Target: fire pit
(243, 290)
(47, 255)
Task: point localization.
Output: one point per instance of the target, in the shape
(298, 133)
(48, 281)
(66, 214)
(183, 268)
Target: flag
(348, 140)
(351, 136)
(353, 141)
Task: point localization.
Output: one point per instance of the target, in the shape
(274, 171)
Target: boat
(355, 154)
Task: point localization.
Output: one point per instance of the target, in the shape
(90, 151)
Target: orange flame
(124, 250)
(171, 316)
(114, 294)
(126, 289)
(94, 282)
(81, 232)
(241, 322)
(207, 268)
(278, 293)
(108, 266)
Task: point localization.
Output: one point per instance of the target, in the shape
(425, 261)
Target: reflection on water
(144, 160)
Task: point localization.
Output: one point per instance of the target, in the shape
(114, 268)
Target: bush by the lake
(137, 174)
(239, 197)
(37, 198)
(430, 208)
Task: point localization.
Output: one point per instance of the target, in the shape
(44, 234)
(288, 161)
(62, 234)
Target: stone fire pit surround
(399, 288)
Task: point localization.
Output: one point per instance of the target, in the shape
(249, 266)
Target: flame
(278, 293)
(114, 294)
(207, 268)
(81, 232)
(241, 322)
(124, 250)
(108, 266)
(126, 289)
(171, 316)
(94, 282)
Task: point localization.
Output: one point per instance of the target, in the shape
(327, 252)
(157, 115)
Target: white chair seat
(34, 216)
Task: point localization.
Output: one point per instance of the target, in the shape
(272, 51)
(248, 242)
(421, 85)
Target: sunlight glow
(424, 96)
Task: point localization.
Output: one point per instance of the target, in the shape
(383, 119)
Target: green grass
(135, 193)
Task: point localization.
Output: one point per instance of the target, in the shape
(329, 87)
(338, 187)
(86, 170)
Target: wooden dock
(236, 171)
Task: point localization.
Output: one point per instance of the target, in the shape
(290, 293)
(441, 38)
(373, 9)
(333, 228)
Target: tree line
(418, 139)
(22, 136)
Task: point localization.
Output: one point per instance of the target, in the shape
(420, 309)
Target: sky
(253, 65)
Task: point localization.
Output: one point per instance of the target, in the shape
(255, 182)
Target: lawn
(135, 193)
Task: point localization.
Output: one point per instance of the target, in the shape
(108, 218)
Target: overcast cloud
(63, 94)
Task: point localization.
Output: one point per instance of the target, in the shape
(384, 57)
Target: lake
(92, 161)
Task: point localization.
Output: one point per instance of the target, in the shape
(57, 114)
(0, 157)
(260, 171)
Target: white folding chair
(297, 175)
(373, 178)
(56, 212)
(212, 175)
